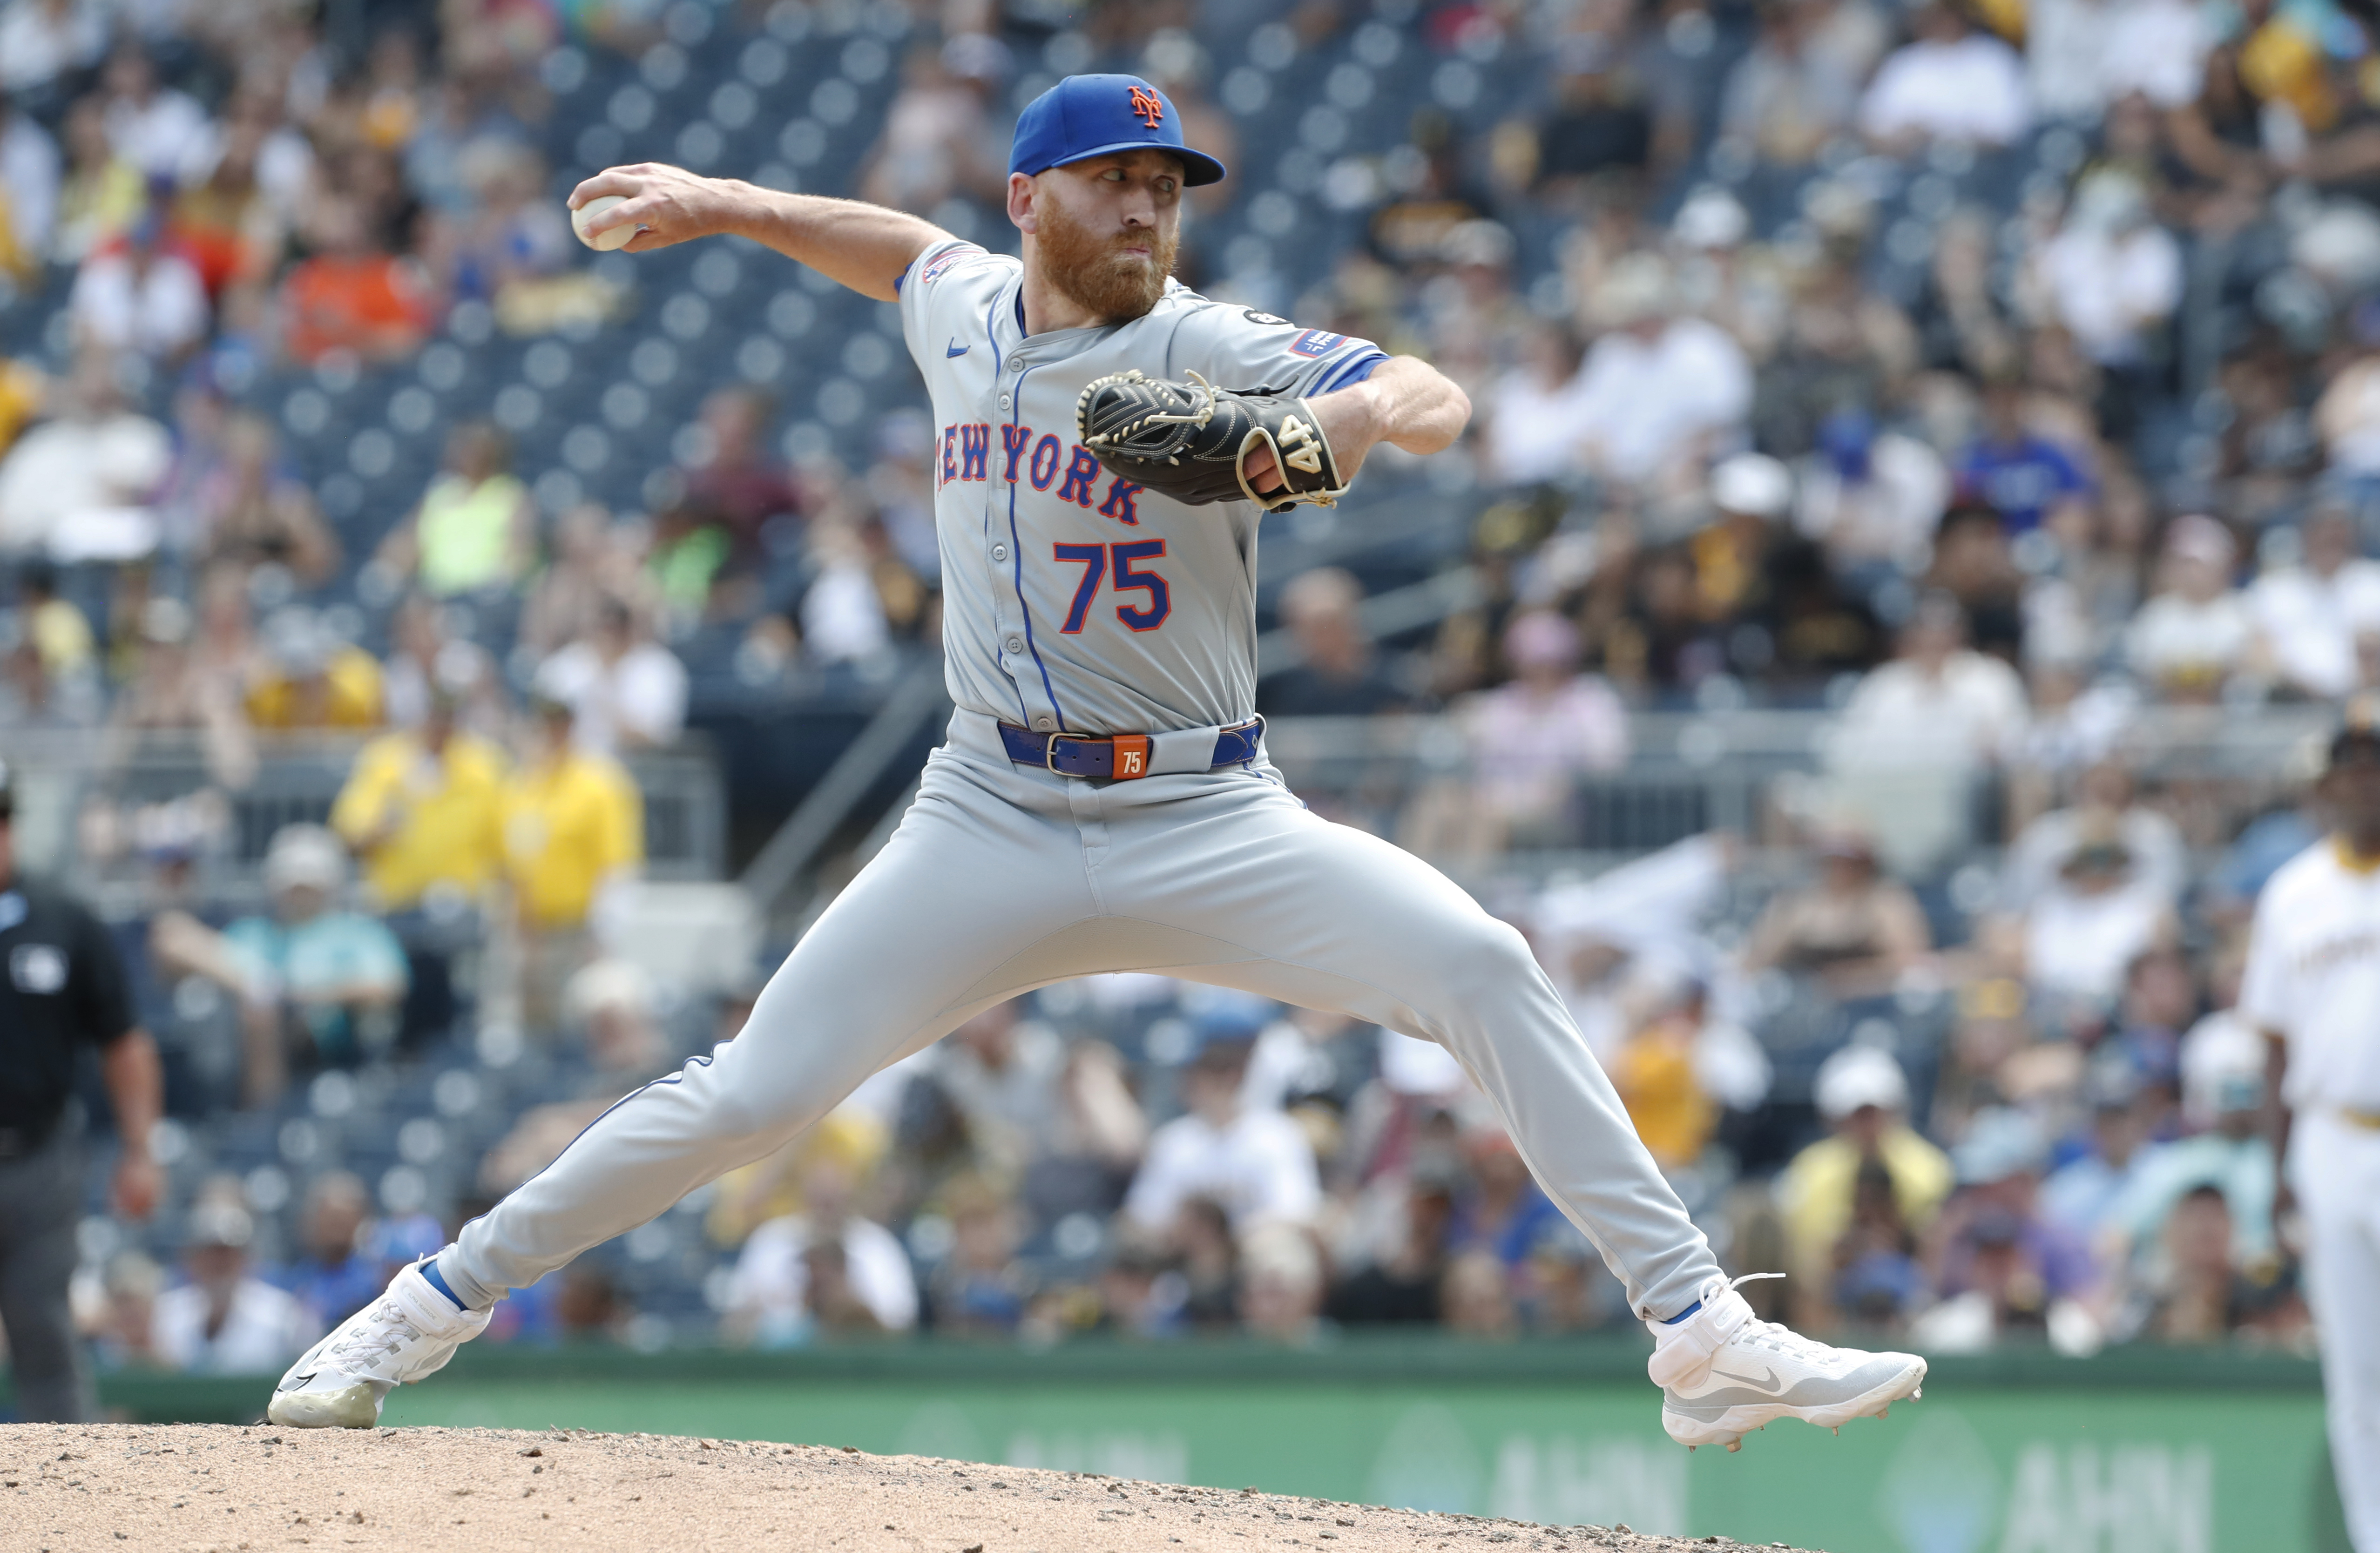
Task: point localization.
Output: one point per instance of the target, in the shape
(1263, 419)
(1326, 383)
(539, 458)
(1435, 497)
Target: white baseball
(604, 241)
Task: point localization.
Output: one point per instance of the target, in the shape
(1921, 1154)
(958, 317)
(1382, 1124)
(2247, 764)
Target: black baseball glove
(1190, 441)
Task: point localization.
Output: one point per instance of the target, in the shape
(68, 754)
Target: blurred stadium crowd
(1977, 402)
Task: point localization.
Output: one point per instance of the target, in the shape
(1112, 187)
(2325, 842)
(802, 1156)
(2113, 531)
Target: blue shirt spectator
(2024, 478)
(333, 1279)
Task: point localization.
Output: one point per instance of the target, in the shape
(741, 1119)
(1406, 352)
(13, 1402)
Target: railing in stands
(77, 787)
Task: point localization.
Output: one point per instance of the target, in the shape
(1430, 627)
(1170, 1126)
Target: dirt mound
(210, 1487)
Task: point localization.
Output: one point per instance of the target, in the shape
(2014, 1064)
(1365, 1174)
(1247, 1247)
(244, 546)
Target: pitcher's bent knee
(1479, 963)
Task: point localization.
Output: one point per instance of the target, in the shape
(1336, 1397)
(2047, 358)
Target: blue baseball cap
(1084, 117)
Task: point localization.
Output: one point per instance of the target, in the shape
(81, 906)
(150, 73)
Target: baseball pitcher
(1108, 442)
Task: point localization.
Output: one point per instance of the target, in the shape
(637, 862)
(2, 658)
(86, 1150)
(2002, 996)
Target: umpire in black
(61, 986)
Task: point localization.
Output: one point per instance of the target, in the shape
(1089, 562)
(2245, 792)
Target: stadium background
(1953, 729)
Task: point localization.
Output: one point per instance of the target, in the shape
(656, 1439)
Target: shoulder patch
(1316, 343)
(945, 259)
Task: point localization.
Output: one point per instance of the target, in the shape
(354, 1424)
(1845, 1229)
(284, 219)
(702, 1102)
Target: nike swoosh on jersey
(954, 348)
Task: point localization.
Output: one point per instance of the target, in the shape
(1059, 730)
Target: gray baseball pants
(41, 1198)
(1001, 878)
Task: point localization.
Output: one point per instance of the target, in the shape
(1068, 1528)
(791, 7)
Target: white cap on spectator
(1752, 483)
(1478, 242)
(1857, 1077)
(2222, 1068)
(302, 857)
(607, 986)
(1637, 288)
(221, 1224)
(1711, 218)
(2196, 537)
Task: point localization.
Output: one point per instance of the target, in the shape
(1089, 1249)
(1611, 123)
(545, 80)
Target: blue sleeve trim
(1354, 372)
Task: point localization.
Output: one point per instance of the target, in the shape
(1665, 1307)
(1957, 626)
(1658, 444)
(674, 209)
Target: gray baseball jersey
(1073, 599)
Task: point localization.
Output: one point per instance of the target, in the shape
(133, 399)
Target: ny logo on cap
(1148, 105)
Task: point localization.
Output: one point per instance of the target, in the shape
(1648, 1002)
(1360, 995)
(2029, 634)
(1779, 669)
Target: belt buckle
(1050, 754)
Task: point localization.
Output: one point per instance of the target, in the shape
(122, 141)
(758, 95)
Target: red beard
(1088, 271)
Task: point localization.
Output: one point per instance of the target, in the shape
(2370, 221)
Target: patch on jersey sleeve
(945, 259)
(1316, 343)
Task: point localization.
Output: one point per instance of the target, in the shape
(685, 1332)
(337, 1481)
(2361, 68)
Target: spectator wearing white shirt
(843, 616)
(2111, 275)
(28, 188)
(1948, 83)
(161, 131)
(2308, 616)
(1255, 1164)
(1657, 389)
(2195, 633)
(140, 295)
(2157, 48)
(772, 1300)
(226, 1321)
(2081, 937)
(41, 40)
(2065, 54)
(625, 690)
(2106, 801)
(2083, 57)
(94, 466)
(1536, 417)
(1872, 496)
(1938, 702)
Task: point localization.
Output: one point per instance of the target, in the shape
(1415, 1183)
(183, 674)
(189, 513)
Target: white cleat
(1724, 1372)
(409, 1332)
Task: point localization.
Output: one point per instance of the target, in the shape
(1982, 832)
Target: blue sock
(438, 1281)
(1669, 1322)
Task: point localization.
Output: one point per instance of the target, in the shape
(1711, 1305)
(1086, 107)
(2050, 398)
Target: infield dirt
(214, 1486)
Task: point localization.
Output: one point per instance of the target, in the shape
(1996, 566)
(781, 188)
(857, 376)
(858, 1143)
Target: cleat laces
(1776, 1336)
(383, 1330)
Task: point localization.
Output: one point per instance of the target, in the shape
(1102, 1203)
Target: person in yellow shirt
(313, 680)
(23, 392)
(1864, 1096)
(1655, 1076)
(574, 831)
(423, 810)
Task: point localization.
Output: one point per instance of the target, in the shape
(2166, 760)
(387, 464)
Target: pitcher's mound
(214, 1486)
